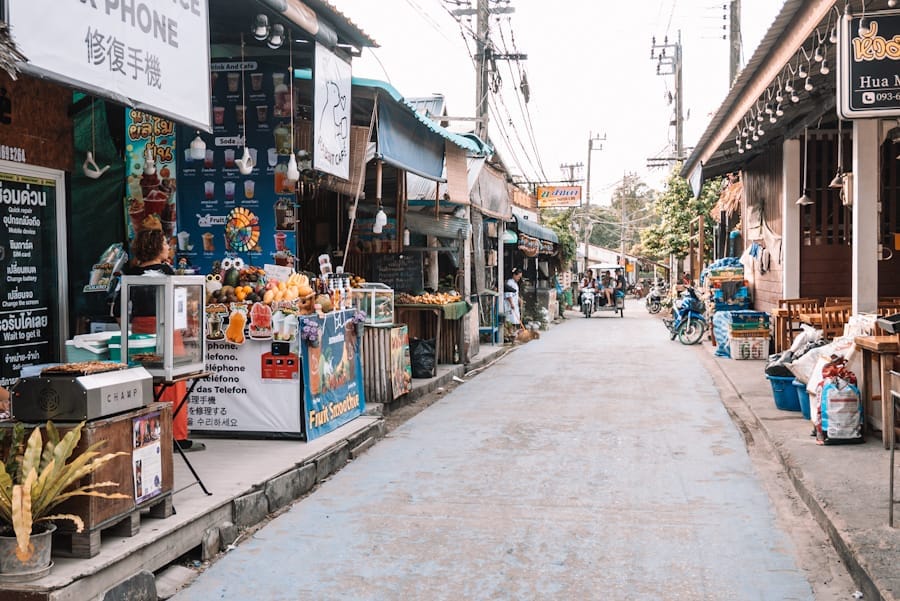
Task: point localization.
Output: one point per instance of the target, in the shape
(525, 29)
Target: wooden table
(781, 325)
(884, 347)
(810, 319)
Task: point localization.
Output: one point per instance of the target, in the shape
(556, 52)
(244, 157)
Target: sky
(588, 68)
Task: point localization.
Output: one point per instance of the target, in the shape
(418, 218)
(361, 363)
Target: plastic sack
(862, 324)
(839, 411)
(422, 357)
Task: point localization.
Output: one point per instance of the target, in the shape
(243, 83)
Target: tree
(561, 223)
(676, 207)
(632, 204)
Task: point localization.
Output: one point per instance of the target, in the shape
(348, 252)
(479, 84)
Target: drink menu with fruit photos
(150, 166)
(222, 212)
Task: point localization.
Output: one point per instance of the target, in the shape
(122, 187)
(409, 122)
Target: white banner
(149, 54)
(249, 391)
(331, 116)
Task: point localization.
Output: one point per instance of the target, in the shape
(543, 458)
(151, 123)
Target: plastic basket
(764, 333)
(803, 396)
(785, 393)
(756, 349)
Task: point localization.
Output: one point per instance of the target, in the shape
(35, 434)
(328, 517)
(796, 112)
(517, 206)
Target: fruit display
(428, 298)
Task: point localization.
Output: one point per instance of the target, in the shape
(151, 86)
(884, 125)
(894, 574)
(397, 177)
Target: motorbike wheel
(654, 306)
(691, 332)
(586, 309)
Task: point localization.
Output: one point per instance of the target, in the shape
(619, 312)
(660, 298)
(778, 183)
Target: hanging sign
(331, 116)
(558, 196)
(149, 54)
(868, 78)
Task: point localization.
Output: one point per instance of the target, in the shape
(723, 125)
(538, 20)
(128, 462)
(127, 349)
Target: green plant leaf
(22, 519)
(32, 458)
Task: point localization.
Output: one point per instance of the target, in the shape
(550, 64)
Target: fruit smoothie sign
(332, 372)
(31, 260)
(150, 148)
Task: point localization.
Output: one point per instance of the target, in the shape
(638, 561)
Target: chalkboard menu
(29, 261)
(403, 272)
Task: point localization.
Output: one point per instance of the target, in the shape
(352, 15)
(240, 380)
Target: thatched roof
(9, 55)
(730, 198)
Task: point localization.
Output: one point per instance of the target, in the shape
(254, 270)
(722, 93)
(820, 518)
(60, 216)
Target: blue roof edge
(468, 142)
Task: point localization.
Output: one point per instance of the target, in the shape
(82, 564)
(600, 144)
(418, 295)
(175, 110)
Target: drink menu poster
(222, 212)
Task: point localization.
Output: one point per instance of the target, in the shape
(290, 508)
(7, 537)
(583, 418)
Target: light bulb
(824, 69)
(779, 97)
(778, 111)
(749, 145)
(788, 87)
(740, 150)
(863, 26)
(892, 3)
(802, 72)
(808, 85)
(759, 117)
(794, 98)
(832, 37)
(198, 148)
(773, 119)
(759, 131)
(769, 110)
(755, 137)
(819, 56)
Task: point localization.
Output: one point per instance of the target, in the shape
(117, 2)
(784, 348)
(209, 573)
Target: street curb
(866, 583)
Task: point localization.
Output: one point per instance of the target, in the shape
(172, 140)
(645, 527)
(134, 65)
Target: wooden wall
(39, 121)
(889, 269)
(762, 187)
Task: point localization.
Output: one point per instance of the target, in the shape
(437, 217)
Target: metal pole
(734, 38)
(679, 103)
(481, 63)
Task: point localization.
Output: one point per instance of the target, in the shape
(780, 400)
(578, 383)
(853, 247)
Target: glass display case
(376, 301)
(170, 312)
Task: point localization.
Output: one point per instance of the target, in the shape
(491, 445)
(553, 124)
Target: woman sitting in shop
(150, 254)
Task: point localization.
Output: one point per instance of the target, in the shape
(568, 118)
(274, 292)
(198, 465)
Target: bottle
(456, 353)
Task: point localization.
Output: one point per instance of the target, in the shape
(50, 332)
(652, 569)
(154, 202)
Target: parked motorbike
(587, 301)
(687, 322)
(654, 298)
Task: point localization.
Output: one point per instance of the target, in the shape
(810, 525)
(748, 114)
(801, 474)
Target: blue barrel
(803, 396)
(785, 392)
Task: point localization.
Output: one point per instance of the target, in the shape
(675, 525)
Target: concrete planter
(37, 566)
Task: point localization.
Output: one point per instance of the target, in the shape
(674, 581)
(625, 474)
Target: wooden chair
(833, 319)
(794, 307)
(888, 307)
(837, 300)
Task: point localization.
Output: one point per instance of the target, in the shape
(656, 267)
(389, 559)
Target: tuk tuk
(612, 275)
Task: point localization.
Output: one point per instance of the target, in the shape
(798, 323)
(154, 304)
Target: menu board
(30, 260)
(403, 273)
(223, 213)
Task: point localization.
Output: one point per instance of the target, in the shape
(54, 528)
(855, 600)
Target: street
(595, 463)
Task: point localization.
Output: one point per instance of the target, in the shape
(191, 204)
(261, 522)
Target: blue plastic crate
(785, 393)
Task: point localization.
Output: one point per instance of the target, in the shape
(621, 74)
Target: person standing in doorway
(511, 303)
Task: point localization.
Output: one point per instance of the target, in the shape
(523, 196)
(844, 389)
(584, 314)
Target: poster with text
(222, 212)
(150, 167)
(401, 370)
(30, 264)
(333, 392)
(146, 457)
(331, 113)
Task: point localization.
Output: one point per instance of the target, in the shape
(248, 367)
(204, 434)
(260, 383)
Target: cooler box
(785, 392)
(137, 344)
(89, 347)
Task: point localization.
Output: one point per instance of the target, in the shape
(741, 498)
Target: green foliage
(560, 221)
(35, 477)
(676, 207)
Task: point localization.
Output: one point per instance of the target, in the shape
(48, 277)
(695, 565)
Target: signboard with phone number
(868, 78)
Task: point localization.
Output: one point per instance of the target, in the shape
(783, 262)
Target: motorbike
(687, 322)
(587, 301)
(654, 298)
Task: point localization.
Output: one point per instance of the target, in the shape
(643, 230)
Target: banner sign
(146, 457)
(31, 261)
(558, 196)
(150, 54)
(332, 372)
(151, 187)
(868, 78)
(331, 114)
(222, 213)
(401, 370)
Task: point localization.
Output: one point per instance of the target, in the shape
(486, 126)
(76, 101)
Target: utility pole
(591, 140)
(486, 59)
(572, 168)
(669, 62)
(734, 39)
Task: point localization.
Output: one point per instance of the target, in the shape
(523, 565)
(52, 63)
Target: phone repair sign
(148, 54)
(868, 78)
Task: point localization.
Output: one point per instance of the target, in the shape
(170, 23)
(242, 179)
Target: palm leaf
(79, 524)
(31, 460)
(22, 520)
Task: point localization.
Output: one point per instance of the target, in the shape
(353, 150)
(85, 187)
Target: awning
(405, 144)
(443, 226)
(535, 230)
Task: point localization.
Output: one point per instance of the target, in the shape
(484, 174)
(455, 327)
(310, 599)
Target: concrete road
(595, 463)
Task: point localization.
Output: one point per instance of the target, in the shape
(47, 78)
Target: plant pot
(37, 566)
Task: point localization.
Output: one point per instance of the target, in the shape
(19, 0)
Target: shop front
(536, 251)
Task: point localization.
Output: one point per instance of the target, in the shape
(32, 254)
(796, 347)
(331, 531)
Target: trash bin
(803, 397)
(785, 393)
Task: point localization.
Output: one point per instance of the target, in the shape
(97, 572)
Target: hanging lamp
(245, 164)
(838, 181)
(90, 167)
(805, 199)
(293, 172)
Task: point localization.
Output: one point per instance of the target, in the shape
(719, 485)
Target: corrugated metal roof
(345, 27)
(784, 23)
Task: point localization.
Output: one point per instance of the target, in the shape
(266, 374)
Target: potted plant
(35, 477)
